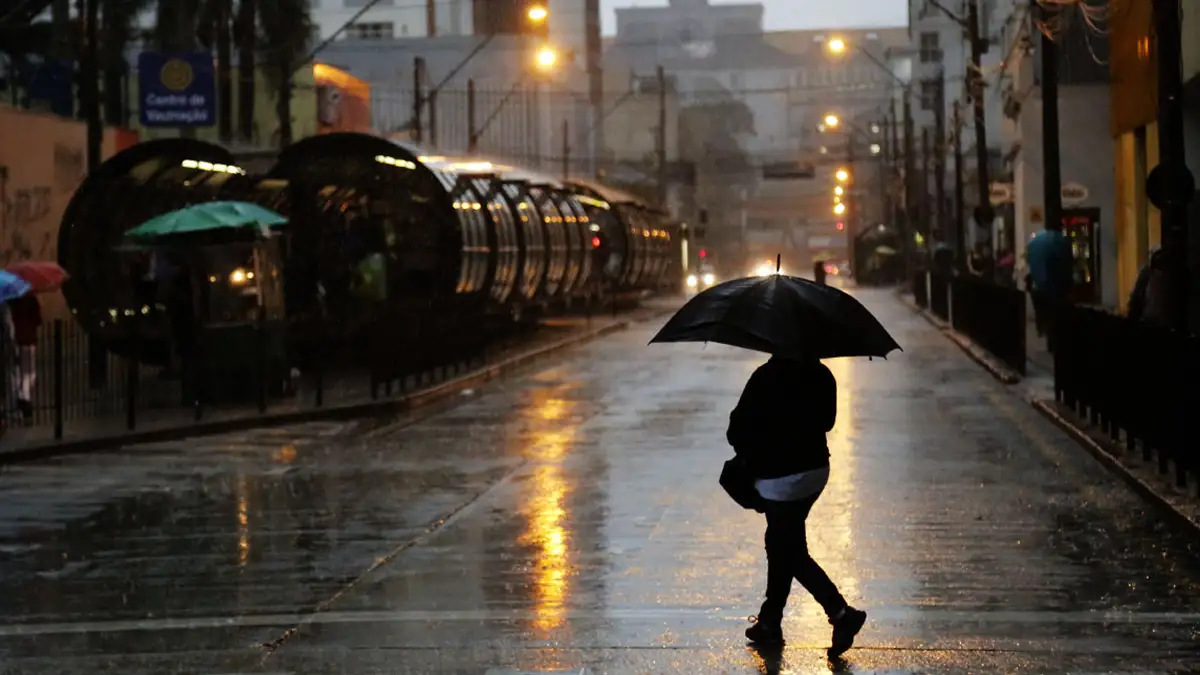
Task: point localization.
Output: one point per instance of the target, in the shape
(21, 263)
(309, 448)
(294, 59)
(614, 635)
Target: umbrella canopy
(43, 276)
(12, 286)
(782, 315)
(1048, 255)
(207, 218)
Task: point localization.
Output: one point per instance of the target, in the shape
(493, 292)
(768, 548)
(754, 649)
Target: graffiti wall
(43, 158)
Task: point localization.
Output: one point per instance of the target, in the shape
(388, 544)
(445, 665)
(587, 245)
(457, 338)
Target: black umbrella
(778, 314)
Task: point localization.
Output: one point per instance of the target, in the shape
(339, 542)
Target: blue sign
(177, 90)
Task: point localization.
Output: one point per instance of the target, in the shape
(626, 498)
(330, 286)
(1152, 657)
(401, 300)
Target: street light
(839, 209)
(839, 190)
(546, 58)
(875, 149)
(837, 199)
(837, 45)
(538, 14)
(842, 175)
(832, 120)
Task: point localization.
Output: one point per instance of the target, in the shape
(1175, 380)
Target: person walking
(778, 429)
(27, 320)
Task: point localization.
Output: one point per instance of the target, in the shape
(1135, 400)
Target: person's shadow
(770, 660)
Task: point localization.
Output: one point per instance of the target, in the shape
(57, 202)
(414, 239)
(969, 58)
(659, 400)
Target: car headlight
(709, 279)
(691, 281)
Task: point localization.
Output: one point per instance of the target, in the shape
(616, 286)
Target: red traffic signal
(703, 253)
(595, 242)
(841, 226)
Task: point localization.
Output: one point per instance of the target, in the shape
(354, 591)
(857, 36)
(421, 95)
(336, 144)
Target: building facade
(1134, 130)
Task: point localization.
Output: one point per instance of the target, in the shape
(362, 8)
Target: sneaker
(844, 630)
(764, 633)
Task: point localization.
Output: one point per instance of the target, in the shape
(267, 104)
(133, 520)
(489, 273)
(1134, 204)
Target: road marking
(926, 616)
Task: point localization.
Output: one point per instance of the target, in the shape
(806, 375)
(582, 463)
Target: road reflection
(242, 494)
(832, 529)
(544, 508)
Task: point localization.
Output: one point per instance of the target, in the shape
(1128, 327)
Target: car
(704, 277)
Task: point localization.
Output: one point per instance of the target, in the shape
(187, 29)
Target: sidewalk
(1181, 505)
(343, 397)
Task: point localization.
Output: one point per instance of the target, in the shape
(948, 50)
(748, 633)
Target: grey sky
(795, 14)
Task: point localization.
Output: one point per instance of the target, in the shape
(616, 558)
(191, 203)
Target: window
(931, 51)
(929, 94)
(376, 30)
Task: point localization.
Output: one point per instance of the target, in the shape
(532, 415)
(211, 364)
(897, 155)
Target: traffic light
(841, 226)
(703, 253)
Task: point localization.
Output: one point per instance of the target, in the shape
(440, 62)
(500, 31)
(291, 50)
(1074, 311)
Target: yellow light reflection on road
(242, 494)
(545, 509)
(831, 532)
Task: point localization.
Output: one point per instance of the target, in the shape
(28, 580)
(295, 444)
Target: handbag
(738, 482)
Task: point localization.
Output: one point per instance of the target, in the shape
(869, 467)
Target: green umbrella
(205, 218)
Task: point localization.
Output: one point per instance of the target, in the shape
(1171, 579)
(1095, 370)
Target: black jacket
(779, 424)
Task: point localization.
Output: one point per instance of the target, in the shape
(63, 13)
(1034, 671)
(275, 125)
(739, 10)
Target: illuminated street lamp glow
(839, 209)
(538, 14)
(875, 149)
(874, 128)
(839, 190)
(546, 58)
(832, 120)
(823, 150)
(837, 45)
(842, 175)
(837, 199)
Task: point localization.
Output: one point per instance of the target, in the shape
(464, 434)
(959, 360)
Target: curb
(1098, 450)
(978, 354)
(405, 403)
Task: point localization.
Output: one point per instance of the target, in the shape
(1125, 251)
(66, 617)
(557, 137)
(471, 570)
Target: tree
(287, 29)
(117, 21)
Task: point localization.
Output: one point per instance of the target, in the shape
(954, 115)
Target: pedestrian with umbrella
(11, 287)
(42, 276)
(777, 430)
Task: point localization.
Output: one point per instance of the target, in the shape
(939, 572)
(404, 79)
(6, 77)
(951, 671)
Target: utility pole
(472, 135)
(960, 234)
(662, 138)
(593, 48)
(1051, 160)
(1171, 185)
(910, 170)
(418, 80)
(939, 157)
(984, 213)
(90, 76)
(431, 27)
(566, 149)
(926, 169)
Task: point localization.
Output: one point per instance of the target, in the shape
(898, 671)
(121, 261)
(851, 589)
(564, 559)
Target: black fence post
(58, 379)
(131, 386)
(262, 358)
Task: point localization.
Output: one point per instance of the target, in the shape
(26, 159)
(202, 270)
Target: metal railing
(52, 389)
(939, 295)
(992, 316)
(1136, 381)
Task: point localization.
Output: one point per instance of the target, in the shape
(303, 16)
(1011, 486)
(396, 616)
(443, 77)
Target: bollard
(58, 380)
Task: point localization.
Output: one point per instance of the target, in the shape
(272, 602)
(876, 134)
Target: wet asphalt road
(571, 519)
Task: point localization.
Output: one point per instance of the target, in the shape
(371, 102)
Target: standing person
(819, 271)
(1050, 269)
(26, 319)
(778, 428)
(1151, 299)
(8, 351)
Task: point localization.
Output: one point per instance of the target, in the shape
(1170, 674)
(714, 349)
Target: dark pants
(788, 558)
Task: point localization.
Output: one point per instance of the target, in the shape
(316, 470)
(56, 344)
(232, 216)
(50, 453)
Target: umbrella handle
(778, 262)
